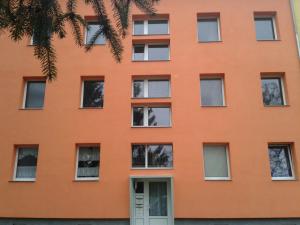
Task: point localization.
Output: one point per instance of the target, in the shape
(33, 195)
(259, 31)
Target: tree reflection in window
(272, 91)
(93, 93)
(159, 116)
(138, 89)
(160, 156)
(280, 162)
(138, 155)
(138, 116)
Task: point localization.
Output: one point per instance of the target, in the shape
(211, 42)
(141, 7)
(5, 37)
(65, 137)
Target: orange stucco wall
(245, 123)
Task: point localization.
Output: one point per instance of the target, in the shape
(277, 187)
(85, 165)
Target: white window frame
(146, 167)
(228, 178)
(146, 87)
(146, 24)
(15, 178)
(82, 93)
(208, 18)
(146, 52)
(272, 17)
(146, 116)
(25, 95)
(291, 163)
(223, 90)
(86, 31)
(77, 161)
(282, 84)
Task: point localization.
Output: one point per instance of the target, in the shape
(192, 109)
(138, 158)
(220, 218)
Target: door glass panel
(158, 199)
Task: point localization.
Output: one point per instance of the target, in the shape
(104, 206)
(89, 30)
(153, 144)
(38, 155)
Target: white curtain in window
(26, 165)
(158, 199)
(215, 161)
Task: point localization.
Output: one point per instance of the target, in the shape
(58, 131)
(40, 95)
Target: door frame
(167, 178)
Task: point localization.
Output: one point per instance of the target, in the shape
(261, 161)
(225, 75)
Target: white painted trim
(146, 26)
(274, 25)
(146, 52)
(24, 95)
(146, 87)
(82, 93)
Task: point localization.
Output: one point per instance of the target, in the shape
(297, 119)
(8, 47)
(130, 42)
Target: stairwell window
(265, 26)
(209, 29)
(152, 156)
(212, 91)
(281, 163)
(92, 93)
(151, 27)
(26, 163)
(273, 91)
(151, 88)
(91, 30)
(34, 94)
(151, 116)
(151, 52)
(88, 162)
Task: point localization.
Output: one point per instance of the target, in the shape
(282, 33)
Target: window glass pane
(211, 92)
(138, 27)
(215, 161)
(92, 29)
(93, 93)
(158, 199)
(158, 27)
(272, 91)
(158, 88)
(208, 30)
(280, 161)
(138, 156)
(27, 161)
(139, 187)
(35, 93)
(139, 51)
(138, 116)
(138, 89)
(264, 29)
(158, 52)
(160, 156)
(88, 162)
(158, 116)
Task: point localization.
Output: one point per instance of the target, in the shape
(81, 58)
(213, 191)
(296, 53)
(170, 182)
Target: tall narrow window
(208, 29)
(88, 162)
(26, 163)
(93, 93)
(34, 94)
(212, 92)
(151, 116)
(152, 156)
(151, 27)
(265, 28)
(216, 162)
(151, 52)
(281, 162)
(151, 88)
(92, 30)
(272, 91)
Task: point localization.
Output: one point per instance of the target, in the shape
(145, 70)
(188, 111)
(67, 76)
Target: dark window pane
(93, 93)
(280, 161)
(138, 27)
(158, 27)
(272, 91)
(158, 52)
(160, 156)
(138, 155)
(139, 187)
(138, 88)
(92, 29)
(264, 29)
(159, 116)
(88, 162)
(139, 51)
(208, 30)
(158, 199)
(35, 92)
(27, 161)
(138, 116)
(211, 92)
(158, 88)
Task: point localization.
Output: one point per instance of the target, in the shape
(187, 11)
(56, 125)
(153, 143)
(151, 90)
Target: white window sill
(214, 106)
(205, 42)
(151, 126)
(138, 35)
(87, 179)
(217, 178)
(283, 178)
(152, 60)
(23, 180)
(150, 168)
(41, 108)
(91, 107)
(166, 97)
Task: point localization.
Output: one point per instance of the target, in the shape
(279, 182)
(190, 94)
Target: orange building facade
(199, 123)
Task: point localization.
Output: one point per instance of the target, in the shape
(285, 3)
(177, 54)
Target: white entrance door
(152, 203)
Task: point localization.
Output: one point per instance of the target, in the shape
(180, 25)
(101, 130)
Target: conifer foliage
(44, 19)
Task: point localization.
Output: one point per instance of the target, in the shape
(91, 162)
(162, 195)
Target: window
(92, 29)
(152, 156)
(33, 40)
(151, 116)
(26, 162)
(148, 52)
(212, 92)
(281, 162)
(265, 28)
(208, 29)
(92, 94)
(88, 161)
(151, 27)
(151, 88)
(216, 162)
(272, 91)
(34, 94)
